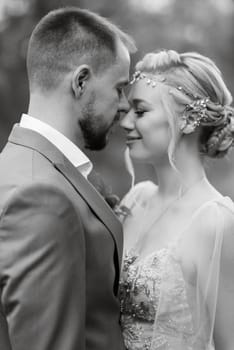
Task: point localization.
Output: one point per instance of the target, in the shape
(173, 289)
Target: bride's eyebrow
(136, 101)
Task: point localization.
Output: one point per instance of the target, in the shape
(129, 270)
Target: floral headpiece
(138, 75)
(199, 111)
(194, 114)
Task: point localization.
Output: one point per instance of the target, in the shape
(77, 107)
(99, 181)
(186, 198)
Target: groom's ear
(79, 79)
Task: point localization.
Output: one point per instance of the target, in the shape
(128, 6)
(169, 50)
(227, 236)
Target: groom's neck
(54, 111)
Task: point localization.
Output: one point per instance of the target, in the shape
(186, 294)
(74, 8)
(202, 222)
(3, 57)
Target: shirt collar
(67, 147)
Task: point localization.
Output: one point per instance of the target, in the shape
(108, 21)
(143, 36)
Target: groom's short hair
(68, 37)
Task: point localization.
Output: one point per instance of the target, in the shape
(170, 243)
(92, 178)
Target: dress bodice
(141, 286)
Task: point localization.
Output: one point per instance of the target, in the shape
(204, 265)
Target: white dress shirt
(67, 147)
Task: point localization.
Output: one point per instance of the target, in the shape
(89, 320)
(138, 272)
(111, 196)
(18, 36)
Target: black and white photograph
(116, 175)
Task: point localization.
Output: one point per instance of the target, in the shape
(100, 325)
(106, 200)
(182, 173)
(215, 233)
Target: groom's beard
(93, 127)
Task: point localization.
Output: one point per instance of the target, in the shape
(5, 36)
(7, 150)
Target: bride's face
(147, 126)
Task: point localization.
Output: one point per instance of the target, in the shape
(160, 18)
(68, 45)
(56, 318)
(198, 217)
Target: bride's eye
(139, 112)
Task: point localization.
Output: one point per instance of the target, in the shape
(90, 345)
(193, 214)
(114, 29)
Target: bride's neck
(170, 181)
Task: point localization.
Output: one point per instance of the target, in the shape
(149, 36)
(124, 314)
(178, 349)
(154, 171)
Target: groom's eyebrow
(123, 83)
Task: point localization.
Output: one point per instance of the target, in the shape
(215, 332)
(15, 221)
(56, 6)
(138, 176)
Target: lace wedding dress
(166, 302)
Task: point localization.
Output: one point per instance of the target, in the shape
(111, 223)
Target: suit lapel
(35, 141)
(95, 201)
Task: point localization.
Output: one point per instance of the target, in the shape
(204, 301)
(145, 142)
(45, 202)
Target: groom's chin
(96, 145)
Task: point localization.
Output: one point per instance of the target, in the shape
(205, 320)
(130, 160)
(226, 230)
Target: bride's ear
(79, 79)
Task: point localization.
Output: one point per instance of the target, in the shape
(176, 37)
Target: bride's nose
(128, 121)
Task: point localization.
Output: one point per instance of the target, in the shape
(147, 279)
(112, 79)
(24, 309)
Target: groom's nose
(123, 104)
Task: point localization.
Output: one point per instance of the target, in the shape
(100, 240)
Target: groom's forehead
(117, 74)
(121, 72)
(123, 53)
(122, 56)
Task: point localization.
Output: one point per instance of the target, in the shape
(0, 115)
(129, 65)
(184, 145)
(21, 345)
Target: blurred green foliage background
(205, 26)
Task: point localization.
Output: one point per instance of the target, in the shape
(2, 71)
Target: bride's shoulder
(215, 221)
(222, 222)
(222, 210)
(226, 208)
(139, 194)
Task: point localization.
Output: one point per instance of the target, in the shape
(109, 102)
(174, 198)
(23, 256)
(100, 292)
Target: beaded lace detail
(141, 286)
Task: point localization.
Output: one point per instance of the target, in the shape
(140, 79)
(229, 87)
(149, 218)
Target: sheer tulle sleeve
(224, 318)
(197, 285)
(138, 195)
(136, 201)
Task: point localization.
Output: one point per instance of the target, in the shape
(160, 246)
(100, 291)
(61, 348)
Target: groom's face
(106, 102)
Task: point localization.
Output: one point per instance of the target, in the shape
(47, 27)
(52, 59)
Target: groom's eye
(120, 91)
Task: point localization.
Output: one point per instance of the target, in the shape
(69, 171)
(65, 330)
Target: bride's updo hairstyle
(201, 94)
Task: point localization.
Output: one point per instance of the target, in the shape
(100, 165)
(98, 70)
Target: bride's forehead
(141, 91)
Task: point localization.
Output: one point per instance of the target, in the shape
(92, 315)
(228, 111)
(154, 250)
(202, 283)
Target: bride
(177, 282)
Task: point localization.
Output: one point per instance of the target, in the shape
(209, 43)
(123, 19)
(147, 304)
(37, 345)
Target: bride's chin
(136, 155)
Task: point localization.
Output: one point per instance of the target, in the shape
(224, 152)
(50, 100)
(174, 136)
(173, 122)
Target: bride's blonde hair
(198, 76)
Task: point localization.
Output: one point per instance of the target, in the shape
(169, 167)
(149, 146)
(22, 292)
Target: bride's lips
(131, 139)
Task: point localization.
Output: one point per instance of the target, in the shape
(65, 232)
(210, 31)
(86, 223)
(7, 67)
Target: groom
(60, 244)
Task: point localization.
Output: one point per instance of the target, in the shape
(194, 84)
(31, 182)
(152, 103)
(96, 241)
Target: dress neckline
(167, 247)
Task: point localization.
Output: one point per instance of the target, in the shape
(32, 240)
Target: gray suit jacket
(60, 253)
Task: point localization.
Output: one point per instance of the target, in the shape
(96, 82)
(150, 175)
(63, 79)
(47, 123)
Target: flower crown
(201, 111)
